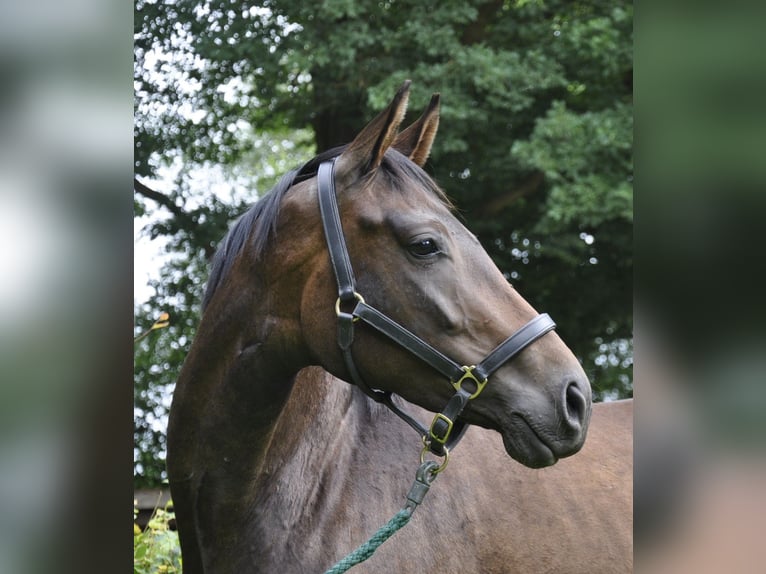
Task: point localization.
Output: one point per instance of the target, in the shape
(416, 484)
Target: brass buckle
(472, 377)
(338, 312)
(449, 422)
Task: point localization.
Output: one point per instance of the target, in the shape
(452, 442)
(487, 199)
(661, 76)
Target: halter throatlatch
(469, 381)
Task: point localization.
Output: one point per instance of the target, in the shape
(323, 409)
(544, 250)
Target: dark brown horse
(277, 466)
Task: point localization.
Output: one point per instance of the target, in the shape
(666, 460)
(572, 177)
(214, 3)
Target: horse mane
(259, 223)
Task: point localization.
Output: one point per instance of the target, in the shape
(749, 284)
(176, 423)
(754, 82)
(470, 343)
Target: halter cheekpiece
(468, 381)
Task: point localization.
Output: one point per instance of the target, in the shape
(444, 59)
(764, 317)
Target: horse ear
(415, 142)
(368, 148)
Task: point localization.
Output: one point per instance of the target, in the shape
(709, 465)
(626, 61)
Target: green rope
(425, 476)
(368, 548)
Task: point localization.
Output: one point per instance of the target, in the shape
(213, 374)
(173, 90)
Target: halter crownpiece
(469, 381)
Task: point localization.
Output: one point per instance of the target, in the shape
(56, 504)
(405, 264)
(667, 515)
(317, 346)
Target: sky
(148, 257)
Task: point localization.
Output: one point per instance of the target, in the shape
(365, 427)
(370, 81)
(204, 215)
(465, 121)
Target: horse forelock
(258, 224)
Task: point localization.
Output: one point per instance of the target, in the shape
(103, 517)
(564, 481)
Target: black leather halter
(445, 430)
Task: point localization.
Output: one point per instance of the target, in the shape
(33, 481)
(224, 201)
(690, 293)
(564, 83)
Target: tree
(534, 144)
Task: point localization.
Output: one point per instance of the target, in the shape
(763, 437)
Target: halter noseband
(445, 430)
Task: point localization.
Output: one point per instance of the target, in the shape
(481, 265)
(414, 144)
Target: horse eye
(423, 248)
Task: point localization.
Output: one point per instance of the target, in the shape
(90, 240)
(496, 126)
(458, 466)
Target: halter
(468, 381)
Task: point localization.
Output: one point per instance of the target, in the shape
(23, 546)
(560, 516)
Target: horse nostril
(576, 404)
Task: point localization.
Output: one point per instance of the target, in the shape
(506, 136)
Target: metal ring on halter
(470, 375)
(338, 312)
(426, 450)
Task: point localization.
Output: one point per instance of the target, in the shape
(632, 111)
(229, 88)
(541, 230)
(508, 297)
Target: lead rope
(426, 474)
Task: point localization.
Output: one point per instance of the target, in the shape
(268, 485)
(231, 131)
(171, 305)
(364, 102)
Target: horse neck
(234, 383)
(248, 408)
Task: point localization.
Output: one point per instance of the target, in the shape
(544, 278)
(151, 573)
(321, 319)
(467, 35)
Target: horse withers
(275, 465)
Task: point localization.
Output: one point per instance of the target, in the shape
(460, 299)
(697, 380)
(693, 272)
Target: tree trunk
(340, 114)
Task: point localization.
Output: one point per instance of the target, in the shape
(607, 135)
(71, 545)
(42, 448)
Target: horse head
(416, 264)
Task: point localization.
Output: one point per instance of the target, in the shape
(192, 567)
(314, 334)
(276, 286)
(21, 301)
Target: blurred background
(535, 148)
(700, 385)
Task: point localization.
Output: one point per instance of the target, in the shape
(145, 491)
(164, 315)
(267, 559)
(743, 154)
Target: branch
(185, 220)
(531, 185)
(160, 198)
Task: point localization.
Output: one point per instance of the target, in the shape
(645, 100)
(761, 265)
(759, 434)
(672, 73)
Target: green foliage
(534, 145)
(156, 549)
(565, 146)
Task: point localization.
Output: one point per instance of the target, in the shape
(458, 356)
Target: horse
(350, 297)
